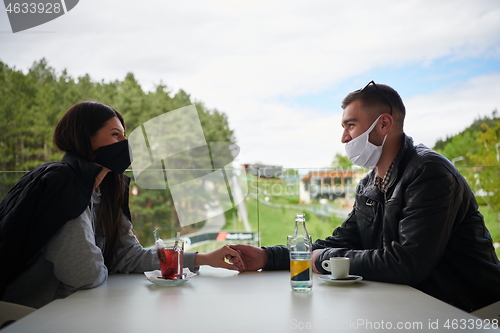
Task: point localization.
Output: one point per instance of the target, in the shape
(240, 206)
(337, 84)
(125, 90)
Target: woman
(66, 224)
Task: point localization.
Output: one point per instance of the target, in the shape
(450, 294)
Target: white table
(218, 300)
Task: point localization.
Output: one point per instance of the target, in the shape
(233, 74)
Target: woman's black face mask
(116, 157)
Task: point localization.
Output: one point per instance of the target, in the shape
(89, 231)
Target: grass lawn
(275, 224)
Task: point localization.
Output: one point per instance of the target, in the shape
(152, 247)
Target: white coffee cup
(337, 266)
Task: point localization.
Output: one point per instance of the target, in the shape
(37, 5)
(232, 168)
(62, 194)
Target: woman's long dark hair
(73, 135)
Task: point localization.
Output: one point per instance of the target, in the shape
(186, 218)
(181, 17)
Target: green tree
(487, 171)
(132, 103)
(341, 161)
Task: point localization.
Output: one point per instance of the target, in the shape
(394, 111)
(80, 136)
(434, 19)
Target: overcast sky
(280, 69)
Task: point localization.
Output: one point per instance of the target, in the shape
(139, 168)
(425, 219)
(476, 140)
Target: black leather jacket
(426, 231)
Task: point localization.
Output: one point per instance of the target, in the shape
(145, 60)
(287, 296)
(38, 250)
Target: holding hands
(238, 257)
(252, 257)
(224, 257)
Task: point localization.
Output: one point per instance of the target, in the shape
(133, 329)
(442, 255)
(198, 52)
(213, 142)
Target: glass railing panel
(257, 205)
(325, 195)
(485, 184)
(208, 207)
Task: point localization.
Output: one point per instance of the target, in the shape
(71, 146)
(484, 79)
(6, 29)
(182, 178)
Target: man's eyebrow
(348, 121)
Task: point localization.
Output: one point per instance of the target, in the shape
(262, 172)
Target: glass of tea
(170, 253)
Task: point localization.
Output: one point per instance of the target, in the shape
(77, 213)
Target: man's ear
(386, 122)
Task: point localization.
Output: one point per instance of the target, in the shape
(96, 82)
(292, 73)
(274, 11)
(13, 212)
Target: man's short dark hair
(371, 95)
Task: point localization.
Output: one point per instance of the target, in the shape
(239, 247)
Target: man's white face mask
(362, 152)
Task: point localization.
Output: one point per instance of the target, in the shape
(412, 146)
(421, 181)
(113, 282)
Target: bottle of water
(300, 247)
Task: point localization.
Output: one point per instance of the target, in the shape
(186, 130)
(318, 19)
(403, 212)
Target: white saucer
(156, 278)
(167, 282)
(349, 280)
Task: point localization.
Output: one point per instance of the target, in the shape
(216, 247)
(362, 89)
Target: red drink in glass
(171, 262)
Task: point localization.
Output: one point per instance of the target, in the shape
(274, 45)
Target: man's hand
(224, 257)
(314, 255)
(253, 258)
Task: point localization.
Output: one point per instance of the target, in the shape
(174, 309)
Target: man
(415, 220)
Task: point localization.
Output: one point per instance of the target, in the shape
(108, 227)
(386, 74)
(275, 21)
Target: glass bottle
(300, 248)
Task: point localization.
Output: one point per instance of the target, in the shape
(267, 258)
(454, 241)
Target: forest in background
(32, 104)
